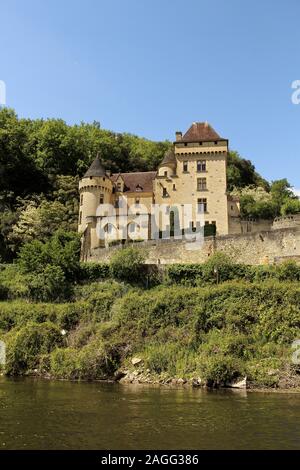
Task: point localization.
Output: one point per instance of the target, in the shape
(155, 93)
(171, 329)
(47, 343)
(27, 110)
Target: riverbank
(211, 336)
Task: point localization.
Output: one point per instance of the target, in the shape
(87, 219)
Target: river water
(40, 414)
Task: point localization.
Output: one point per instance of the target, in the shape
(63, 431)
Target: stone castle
(192, 172)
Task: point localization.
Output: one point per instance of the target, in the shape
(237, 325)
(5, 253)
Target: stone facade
(273, 246)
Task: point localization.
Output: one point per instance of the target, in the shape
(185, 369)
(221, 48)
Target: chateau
(192, 172)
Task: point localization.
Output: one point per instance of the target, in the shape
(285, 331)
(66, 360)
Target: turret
(168, 165)
(95, 188)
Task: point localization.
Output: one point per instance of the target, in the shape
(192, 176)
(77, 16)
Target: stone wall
(251, 248)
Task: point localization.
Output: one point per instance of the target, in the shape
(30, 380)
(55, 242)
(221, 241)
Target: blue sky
(151, 67)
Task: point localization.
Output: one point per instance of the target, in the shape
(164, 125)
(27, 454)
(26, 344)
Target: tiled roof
(96, 169)
(169, 157)
(136, 182)
(200, 131)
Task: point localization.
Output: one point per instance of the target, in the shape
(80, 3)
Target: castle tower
(198, 162)
(95, 188)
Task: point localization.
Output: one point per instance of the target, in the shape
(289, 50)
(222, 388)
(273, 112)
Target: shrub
(127, 264)
(49, 285)
(218, 369)
(25, 346)
(94, 361)
(13, 284)
(61, 250)
(94, 271)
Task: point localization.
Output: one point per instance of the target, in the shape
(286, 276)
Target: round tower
(95, 188)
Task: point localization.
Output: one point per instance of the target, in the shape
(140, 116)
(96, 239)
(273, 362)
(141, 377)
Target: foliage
(94, 271)
(28, 343)
(267, 202)
(290, 206)
(241, 173)
(61, 250)
(127, 264)
(218, 333)
(48, 285)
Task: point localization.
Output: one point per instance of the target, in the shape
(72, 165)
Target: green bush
(61, 250)
(25, 346)
(13, 284)
(49, 285)
(94, 271)
(218, 369)
(94, 361)
(127, 264)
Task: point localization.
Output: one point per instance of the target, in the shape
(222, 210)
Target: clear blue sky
(151, 67)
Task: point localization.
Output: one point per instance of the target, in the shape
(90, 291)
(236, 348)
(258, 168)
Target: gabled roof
(96, 168)
(136, 182)
(200, 131)
(169, 157)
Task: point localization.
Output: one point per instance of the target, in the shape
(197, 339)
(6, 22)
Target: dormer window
(139, 188)
(119, 186)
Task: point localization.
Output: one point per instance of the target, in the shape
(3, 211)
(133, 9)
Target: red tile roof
(200, 131)
(137, 182)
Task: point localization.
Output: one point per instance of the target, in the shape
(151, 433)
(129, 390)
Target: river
(40, 414)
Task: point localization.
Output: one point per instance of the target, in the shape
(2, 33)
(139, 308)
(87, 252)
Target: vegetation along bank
(62, 319)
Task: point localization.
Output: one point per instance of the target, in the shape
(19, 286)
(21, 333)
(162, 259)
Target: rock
(136, 360)
(119, 375)
(197, 382)
(181, 381)
(240, 384)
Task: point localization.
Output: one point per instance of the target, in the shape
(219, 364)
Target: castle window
(81, 199)
(185, 167)
(165, 192)
(101, 199)
(206, 222)
(202, 205)
(214, 222)
(166, 173)
(174, 187)
(137, 201)
(201, 184)
(80, 217)
(201, 166)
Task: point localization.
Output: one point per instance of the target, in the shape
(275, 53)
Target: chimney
(178, 136)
